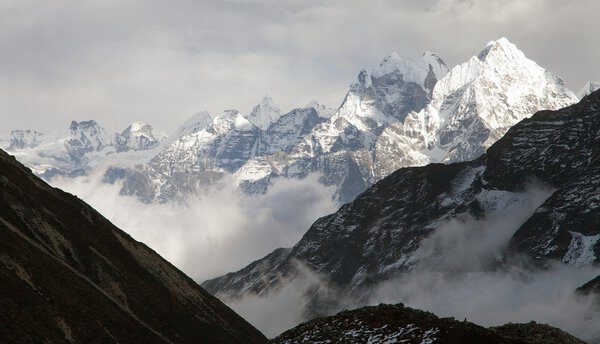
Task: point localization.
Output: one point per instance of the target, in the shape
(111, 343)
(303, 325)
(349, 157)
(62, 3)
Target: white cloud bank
(213, 234)
(458, 275)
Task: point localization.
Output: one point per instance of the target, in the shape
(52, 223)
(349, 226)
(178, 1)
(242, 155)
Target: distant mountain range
(86, 148)
(401, 113)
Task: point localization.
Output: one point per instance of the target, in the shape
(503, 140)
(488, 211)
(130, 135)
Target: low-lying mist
(221, 231)
(461, 272)
(457, 273)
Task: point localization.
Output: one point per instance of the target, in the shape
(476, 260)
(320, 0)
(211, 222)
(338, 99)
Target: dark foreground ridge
(69, 275)
(399, 324)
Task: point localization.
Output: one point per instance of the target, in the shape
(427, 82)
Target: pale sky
(118, 61)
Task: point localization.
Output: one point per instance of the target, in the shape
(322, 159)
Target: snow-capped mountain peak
(232, 119)
(138, 136)
(87, 146)
(437, 64)
(499, 60)
(477, 102)
(87, 136)
(20, 139)
(589, 87)
(265, 113)
(500, 71)
(411, 70)
(322, 110)
(197, 122)
(501, 47)
(139, 128)
(502, 58)
(389, 92)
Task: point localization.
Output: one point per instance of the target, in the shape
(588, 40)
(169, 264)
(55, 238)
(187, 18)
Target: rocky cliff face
(380, 234)
(69, 275)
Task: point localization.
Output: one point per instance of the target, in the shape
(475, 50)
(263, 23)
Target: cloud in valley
(218, 232)
(458, 275)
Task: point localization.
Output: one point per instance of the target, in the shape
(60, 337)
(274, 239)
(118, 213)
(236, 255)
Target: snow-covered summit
(500, 63)
(479, 100)
(197, 122)
(86, 137)
(437, 64)
(138, 136)
(265, 113)
(322, 110)
(232, 119)
(203, 156)
(20, 139)
(501, 48)
(390, 91)
(589, 87)
(85, 147)
(412, 70)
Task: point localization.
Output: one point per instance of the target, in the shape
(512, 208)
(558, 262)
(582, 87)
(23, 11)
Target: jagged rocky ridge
(402, 113)
(205, 149)
(69, 275)
(378, 236)
(399, 324)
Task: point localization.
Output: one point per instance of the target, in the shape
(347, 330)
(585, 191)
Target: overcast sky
(118, 61)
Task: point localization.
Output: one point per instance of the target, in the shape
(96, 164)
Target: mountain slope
(539, 182)
(69, 275)
(396, 323)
